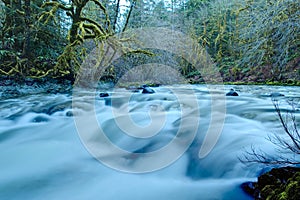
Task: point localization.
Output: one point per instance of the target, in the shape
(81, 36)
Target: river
(51, 148)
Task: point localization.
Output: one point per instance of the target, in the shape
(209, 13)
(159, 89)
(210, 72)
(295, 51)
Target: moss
(277, 184)
(283, 196)
(293, 187)
(267, 192)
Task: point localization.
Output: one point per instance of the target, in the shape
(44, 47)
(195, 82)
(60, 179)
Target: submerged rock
(39, 119)
(116, 101)
(232, 93)
(276, 94)
(279, 183)
(69, 113)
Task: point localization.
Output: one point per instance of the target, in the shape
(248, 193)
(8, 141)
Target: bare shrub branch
(287, 145)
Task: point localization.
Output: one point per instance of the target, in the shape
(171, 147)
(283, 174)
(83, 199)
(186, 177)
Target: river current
(50, 147)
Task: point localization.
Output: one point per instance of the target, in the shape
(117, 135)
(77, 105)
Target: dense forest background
(250, 41)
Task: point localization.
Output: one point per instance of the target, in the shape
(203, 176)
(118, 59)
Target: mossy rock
(267, 192)
(277, 184)
(268, 179)
(283, 196)
(293, 187)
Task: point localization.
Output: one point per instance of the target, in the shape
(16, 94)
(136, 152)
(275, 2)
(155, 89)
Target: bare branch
(286, 146)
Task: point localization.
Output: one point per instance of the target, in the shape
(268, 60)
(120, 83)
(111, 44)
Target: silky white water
(43, 155)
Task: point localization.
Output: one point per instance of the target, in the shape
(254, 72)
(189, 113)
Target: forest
(249, 41)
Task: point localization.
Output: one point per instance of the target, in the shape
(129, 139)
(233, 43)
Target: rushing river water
(44, 152)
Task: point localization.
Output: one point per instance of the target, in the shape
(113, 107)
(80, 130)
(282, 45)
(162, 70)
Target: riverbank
(277, 184)
(14, 87)
(54, 84)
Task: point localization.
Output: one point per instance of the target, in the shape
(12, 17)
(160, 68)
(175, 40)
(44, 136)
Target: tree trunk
(129, 14)
(116, 16)
(27, 31)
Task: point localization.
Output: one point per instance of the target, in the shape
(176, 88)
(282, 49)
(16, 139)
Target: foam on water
(42, 156)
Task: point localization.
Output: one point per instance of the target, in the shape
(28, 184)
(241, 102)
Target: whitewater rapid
(44, 154)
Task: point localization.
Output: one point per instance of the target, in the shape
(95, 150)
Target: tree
(28, 48)
(269, 35)
(214, 24)
(82, 28)
(86, 26)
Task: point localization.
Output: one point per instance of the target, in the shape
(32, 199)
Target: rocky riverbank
(15, 87)
(277, 184)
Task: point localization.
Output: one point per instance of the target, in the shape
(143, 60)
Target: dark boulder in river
(279, 183)
(103, 94)
(147, 90)
(232, 93)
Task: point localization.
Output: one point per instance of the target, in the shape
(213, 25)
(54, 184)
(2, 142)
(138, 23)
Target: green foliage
(214, 25)
(278, 184)
(24, 40)
(256, 41)
(283, 191)
(247, 39)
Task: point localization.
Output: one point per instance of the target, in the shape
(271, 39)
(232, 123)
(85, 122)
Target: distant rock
(103, 94)
(279, 183)
(147, 90)
(232, 93)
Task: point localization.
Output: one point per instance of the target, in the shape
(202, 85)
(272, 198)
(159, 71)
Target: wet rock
(250, 188)
(69, 114)
(103, 94)
(147, 90)
(40, 119)
(279, 183)
(232, 93)
(115, 101)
